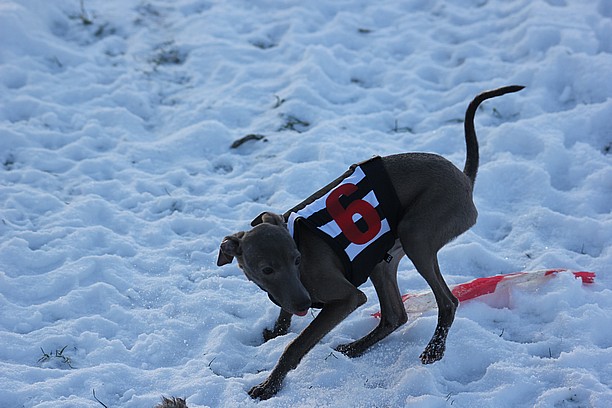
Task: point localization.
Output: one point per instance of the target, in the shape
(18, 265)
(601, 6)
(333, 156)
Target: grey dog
(303, 269)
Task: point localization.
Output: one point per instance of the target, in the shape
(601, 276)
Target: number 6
(344, 216)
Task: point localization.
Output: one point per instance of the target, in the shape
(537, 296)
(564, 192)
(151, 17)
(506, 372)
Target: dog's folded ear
(230, 248)
(269, 218)
(258, 220)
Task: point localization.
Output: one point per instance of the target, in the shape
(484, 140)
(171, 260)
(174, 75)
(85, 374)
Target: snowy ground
(117, 184)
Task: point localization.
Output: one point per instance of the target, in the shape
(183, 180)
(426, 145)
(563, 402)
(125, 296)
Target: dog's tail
(471, 162)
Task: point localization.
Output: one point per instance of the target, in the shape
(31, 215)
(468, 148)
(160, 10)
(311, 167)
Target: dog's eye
(298, 260)
(267, 270)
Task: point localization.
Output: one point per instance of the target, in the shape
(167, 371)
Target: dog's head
(268, 256)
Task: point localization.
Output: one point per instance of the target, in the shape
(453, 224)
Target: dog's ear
(269, 218)
(230, 248)
(258, 220)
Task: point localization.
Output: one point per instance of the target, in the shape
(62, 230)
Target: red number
(344, 216)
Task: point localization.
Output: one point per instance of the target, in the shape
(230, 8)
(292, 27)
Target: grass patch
(57, 359)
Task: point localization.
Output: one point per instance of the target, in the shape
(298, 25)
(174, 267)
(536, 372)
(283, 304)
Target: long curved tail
(471, 161)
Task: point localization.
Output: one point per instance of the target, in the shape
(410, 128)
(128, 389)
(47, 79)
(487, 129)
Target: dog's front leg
(329, 317)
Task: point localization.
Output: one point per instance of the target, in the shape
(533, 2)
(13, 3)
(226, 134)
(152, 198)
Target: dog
(300, 266)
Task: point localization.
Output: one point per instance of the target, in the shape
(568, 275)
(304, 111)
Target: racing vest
(356, 214)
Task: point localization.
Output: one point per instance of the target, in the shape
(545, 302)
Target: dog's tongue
(302, 313)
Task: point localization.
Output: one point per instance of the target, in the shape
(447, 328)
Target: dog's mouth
(300, 313)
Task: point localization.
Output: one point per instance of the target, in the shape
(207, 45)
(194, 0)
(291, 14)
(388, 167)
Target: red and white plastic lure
(420, 302)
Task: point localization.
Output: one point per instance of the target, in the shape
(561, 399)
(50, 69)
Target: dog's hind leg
(392, 312)
(426, 264)
(441, 213)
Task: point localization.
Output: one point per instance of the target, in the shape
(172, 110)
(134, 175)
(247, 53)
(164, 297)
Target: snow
(117, 184)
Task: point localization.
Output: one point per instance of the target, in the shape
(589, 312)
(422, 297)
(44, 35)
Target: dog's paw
(349, 350)
(432, 353)
(271, 334)
(265, 390)
(436, 347)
